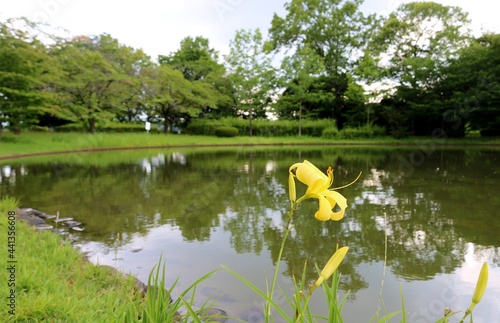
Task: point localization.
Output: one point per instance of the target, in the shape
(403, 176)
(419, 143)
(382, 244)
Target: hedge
(112, 127)
(262, 128)
(226, 132)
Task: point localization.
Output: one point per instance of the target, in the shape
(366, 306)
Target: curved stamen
(354, 181)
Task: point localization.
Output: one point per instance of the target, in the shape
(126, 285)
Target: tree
(337, 31)
(171, 97)
(198, 62)
(195, 59)
(411, 49)
(471, 88)
(25, 71)
(87, 86)
(299, 71)
(131, 66)
(251, 72)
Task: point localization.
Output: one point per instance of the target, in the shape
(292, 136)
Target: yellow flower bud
(331, 265)
(291, 188)
(480, 287)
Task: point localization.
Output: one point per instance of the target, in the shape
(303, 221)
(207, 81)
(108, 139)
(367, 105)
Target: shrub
(226, 132)
(110, 127)
(70, 127)
(128, 127)
(331, 133)
(361, 132)
(490, 132)
(260, 127)
(39, 129)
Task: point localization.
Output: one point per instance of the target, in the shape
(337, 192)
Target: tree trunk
(250, 118)
(92, 125)
(300, 118)
(166, 124)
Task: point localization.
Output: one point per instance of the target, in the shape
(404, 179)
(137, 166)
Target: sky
(158, 26)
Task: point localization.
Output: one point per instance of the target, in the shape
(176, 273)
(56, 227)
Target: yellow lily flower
(318, 187)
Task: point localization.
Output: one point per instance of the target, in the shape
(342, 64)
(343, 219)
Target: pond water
(200, 209)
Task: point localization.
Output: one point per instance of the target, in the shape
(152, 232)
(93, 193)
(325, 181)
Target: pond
(432, 216)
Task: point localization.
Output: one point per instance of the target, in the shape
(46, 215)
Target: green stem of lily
(306, 303)
(288, 228)
(467, 312)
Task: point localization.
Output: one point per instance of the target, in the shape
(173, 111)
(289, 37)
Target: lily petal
(325, 208)
(309, 174)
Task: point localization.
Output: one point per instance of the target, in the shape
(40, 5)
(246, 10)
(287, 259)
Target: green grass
(53, 282)
(35, 143)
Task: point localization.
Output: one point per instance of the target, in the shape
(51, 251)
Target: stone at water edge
(72, 224)
(77, 229)
(49, 217)
(43, 226)
(63, 220)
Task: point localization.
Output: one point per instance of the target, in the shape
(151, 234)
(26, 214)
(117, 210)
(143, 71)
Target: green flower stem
(467, 312)
(288, 228)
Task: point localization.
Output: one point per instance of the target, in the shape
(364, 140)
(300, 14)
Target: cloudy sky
(158, 26)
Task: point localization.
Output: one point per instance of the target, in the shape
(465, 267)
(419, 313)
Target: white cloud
(159, 26)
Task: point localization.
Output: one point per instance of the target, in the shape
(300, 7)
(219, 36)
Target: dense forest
(411, 72)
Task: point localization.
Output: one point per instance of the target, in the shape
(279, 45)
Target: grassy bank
(53, 281)
(32, 143)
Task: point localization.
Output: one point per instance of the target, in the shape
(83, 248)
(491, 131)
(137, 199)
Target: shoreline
(417, 143)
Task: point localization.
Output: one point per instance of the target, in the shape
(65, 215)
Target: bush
(331, 133)
(490, 132)
(260, 127)
(226, 132)
(70, 127)
(128, 127)
(110, 127)
(362, 132)
(39, 129)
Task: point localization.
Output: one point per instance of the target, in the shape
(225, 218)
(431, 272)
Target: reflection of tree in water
(431, 213)
(423, 236)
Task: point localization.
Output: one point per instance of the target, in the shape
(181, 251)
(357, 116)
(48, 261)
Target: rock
(34, 212)
(63, 220)
(77, 229)
(33, 220)
(71, 223)
(25, 215)
(43, 226)
(48, 216)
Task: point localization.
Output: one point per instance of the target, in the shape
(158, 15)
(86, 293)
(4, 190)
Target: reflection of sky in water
(190, 259)
(194, 259)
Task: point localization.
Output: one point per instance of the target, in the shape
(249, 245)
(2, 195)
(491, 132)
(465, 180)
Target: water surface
(438, 210)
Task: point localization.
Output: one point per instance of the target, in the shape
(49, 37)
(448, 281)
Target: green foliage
(171, 97)
(471, 90)
(108, 127)
(490, 132)
(364, 132)
(226, 132)
(411, 50)
(334, 29)
(25, 70)
(331, 133)
(39, 129)
(198, 62)
(70, 127)
(252, 74)
(264, 128)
